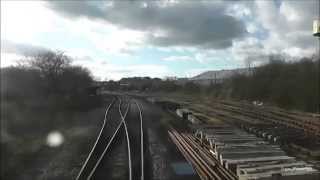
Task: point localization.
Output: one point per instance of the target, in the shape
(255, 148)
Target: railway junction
(243, 144)
(239, 144)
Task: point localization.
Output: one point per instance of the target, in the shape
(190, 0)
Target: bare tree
(50, 63)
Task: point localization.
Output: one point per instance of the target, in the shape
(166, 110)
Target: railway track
(118, 152)
(135, 137)
(199, 157)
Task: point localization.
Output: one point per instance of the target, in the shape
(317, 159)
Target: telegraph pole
(316, 33)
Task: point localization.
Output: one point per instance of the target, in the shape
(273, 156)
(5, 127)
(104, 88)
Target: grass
(24, 128)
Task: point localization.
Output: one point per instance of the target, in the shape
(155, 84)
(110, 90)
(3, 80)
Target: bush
(18, 82)
(48, 75)
(286, 84)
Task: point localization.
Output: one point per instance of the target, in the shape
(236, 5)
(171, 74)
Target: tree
(192, 87)
(51, 66)
(50, 63)
(74, 80)
(287, 84)
(19, 82)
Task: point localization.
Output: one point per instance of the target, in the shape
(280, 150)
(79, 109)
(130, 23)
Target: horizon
(178, 41)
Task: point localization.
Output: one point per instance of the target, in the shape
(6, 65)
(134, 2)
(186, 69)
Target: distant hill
(218, 76)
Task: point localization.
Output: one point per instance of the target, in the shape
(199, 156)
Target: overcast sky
(158, 38)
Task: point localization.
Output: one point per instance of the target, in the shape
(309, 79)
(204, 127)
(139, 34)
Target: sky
(182, 38)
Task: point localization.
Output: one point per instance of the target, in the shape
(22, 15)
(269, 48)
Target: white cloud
(289, 26)
(239, 9)
(106, 37)
(104, 69)
(9, 59)
(295, 52)
(196, 71)
(30, 21)
(252, 47)
(203, 57)
(22, 21)
(175, 49)
(285, 30)
(214, 57)
(252, 28)
(178, 58)
(80, 53)
(212, 28)
(267, 14)
(289, 12)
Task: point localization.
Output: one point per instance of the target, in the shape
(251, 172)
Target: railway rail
(247, 113)
(199, 157)
(121, 130)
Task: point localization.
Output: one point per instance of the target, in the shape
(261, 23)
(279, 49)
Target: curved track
(118, 152)
(135, 135)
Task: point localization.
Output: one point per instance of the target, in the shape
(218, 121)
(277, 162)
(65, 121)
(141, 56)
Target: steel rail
(200, 158)
(202, 174)
(96, 142)
(107, 147)
(225, 173)
(205, 149)
(128, 140)
(141, 140)
(115, 134)
(195, 155)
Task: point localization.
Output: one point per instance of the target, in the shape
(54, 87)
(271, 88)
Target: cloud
(218, 34)
(21, 49)
(74, 9)
(178, 58)
(203, 25)
(289, 26)
(102, 69)
(9, 59)
(196, 71)
(12, 53)
(24, 21)
(283, 28)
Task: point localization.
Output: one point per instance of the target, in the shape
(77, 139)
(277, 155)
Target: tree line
(287, 84)
(291, 85)
(48, 76)
(52, 77)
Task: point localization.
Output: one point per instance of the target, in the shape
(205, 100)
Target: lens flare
(55, 139)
